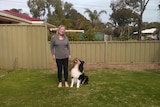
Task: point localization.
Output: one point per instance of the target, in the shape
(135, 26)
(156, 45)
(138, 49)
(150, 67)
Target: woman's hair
(60, 28)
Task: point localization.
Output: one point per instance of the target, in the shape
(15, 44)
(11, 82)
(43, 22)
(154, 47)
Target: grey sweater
(60, 48)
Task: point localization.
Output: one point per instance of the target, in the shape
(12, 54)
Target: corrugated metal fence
(26, 46)
(115, 52)
(23, 46)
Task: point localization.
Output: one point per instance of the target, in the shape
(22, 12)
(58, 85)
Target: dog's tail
(85, 80)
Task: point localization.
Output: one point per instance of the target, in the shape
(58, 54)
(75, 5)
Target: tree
(67, 9)
(52, 9)
(40, 8)
(19, 11)
(94, 16)
(37, 8)
(78, 20)
(16, 10)
(122, 17)
(71, 14)
(139, 6)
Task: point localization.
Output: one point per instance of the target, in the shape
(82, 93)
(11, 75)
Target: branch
(144, 6)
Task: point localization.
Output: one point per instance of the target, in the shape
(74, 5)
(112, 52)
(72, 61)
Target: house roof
(152, 30)
(147, 31)
(21, 15)
(55, 29)
(11, 17)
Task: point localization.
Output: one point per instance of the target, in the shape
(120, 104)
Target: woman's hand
(53, 57)
(69, 57)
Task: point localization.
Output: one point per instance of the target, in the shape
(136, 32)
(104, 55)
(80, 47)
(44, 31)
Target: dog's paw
(71, 86)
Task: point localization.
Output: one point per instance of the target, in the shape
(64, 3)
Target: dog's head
(76, 61)
(80, 63)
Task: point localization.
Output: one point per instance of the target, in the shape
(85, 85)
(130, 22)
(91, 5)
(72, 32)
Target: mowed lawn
(106, 88)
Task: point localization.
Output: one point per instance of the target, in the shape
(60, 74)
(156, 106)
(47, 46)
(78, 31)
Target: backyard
(106, 88)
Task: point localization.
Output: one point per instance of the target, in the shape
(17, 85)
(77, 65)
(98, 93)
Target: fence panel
(89, 51)
(26, 46)
(133, 52)
(22, 46)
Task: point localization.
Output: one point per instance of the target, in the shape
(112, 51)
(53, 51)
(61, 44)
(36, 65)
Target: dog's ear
(74, 60)
(82, 62)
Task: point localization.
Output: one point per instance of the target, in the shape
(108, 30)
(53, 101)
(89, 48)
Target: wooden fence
(27, 46)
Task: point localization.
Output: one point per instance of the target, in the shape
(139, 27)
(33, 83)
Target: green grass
(106, 88)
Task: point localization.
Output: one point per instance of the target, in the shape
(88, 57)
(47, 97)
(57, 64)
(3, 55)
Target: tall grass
(106, 88)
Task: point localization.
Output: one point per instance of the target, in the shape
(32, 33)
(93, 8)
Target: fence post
(46, 43)
(105, 52)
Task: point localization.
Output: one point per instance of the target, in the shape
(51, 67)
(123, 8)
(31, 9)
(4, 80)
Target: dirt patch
(136, 67)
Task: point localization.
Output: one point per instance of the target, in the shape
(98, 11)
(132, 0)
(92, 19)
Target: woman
(61, 53)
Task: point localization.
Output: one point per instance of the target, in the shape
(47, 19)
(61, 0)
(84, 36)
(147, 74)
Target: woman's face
(61, 31)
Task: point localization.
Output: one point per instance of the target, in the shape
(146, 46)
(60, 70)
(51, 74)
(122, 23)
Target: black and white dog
(77, 73)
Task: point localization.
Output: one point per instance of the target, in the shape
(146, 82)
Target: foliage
(67, 9)
(87, 36)
(19, 11)
(116, 32)
(122, 17)
(78, 21)
(73, 36)
(125, 18)
(94, 16)
(127, 12)
(38, 88)
(16, 10)
(140, 7)
(37, 8)
(56, 17)
(158, 31)
(108, 28)
(151, 25)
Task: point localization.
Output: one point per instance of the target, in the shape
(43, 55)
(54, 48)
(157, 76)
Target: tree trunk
(139, 27)
(143, 5)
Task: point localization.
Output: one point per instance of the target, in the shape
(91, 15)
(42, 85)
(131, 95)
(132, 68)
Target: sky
(151, 13)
